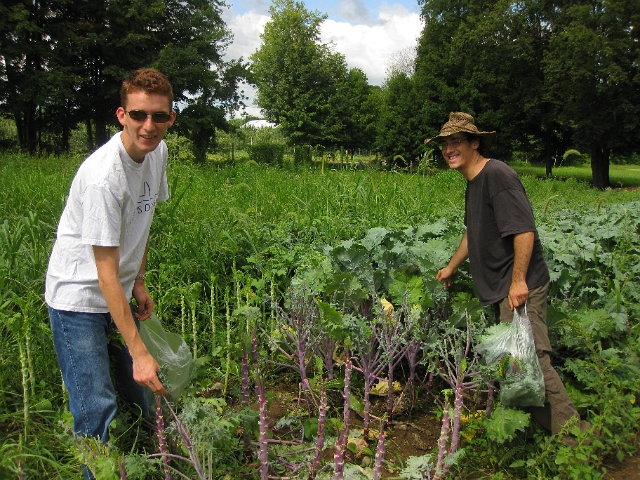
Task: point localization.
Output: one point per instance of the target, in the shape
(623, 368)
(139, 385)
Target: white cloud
(368, 46)
(246, 28)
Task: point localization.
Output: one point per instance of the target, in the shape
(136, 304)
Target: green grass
(620, 176)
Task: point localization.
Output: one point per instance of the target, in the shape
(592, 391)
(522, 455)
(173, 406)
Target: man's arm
(145, 367)
(522, 249)
(462, 253)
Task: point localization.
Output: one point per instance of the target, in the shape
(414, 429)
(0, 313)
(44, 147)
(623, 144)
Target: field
(271, 275)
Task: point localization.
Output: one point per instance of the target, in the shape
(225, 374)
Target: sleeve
(513, 212)
(101, 217)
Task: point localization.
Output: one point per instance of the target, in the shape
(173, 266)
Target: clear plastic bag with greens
(171, 352)
(512, 354)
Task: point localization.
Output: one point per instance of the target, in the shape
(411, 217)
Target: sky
(367, 32)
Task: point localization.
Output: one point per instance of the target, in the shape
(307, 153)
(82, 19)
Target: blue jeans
(86, 351)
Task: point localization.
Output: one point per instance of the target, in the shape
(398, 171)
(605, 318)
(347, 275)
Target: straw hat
(462, 122)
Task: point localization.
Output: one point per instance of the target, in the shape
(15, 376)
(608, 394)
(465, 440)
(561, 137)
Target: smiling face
(142, 137)
(461, 153)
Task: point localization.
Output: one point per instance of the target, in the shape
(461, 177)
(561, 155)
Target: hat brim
(489, 137)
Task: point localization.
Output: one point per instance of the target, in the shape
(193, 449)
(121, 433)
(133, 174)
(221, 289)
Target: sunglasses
(141, 116)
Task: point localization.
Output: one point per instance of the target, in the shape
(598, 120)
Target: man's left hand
(144, 308)
(518, 294)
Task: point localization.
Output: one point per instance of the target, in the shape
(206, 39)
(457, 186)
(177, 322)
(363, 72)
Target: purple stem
(162, 441)
(341, 444)
(369, 361)
(123, 473)
(186, 439)
(245, 397)
(322, 417)
(441, 467)
(299, 339)
(412, 354)
(377, 466)
(457, 414)
(263, 453)
(327, 348)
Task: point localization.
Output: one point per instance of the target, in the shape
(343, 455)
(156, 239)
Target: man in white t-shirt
(98, 260)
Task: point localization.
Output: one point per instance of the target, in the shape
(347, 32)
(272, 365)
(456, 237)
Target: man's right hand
(445, 275)
(145, 370)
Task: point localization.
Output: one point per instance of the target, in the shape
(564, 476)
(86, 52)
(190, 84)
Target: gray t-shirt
(496, 209)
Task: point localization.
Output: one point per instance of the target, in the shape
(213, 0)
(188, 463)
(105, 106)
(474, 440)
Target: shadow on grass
(620, 176)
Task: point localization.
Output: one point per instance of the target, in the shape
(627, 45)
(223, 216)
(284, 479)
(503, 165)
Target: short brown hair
(148, 80)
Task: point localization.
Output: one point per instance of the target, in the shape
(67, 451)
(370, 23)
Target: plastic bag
(171, 352)
(513, 354)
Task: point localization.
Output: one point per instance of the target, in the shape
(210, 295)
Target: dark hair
(482, 144)
(148, 80)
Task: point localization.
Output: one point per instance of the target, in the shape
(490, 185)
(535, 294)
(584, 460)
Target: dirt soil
(414, 435)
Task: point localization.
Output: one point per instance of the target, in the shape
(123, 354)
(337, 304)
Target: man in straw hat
(504, 251)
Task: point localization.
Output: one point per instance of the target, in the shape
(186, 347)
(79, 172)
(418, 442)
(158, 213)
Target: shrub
(303, 155)
(180, 148)
(268, 153)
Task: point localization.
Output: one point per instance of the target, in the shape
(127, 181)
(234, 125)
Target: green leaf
(504, 423)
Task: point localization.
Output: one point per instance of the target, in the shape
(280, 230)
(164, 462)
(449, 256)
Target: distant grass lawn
(619, 175)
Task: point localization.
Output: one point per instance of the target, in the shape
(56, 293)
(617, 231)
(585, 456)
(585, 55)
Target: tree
(25, 52)
(355, 112)
(398, 130)
(195, 40)
(297, 76)
(546, 75)
(63, 61)
(402, 61)
(592, 78)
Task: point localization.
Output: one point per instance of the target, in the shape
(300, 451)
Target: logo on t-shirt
(147, 201)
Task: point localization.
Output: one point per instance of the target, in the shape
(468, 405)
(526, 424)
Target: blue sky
(369, 33)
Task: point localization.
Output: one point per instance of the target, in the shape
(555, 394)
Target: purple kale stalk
(451, 357)
(322, 418)
(368, 359)
(377, 465)
(263, 414)
(391, 334)
(298, 340)
(340, 448)
(445, 430)
(162, 441)
(193, 459)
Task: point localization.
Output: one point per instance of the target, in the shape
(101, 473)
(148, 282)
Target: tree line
(62, 63)
(548, 75)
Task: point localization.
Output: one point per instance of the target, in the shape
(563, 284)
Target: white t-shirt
(111, 203)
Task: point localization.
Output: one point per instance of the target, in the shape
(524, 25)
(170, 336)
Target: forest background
(548, 76)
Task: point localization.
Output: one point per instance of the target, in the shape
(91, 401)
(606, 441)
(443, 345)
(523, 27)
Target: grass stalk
(228, 317)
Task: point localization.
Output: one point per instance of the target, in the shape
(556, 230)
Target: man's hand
(518, 294)
(445, 275)
(145, 370)
(143, 300)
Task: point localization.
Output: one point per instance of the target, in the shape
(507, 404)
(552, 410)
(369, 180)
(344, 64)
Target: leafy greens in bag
(512, 354)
